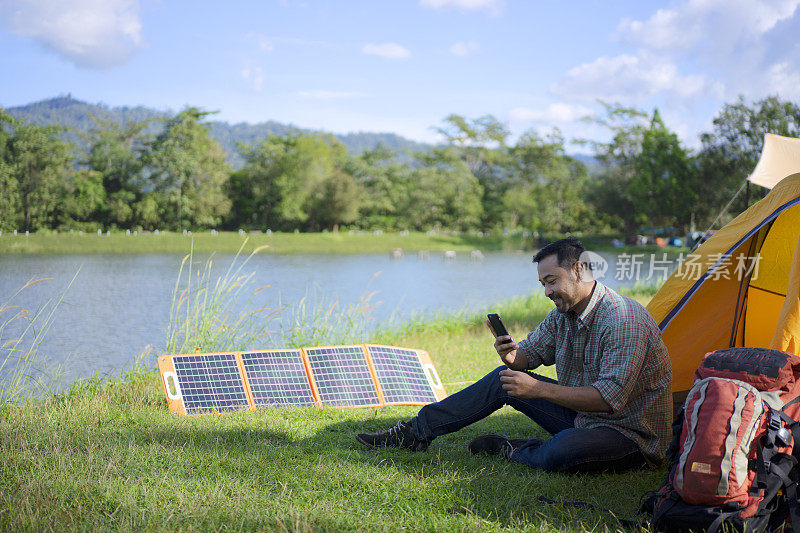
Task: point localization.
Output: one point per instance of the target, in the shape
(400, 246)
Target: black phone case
(497, 324)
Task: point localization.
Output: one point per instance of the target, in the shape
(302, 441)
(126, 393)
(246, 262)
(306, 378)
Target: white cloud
(254, 76)
(328, 95)
(387, 50)
(630, 79)
(493, 6)
(264, 43)
(97, 34)
(464, 49)
(748, 46)
(557, 114)
(782, 79)
(721, 22)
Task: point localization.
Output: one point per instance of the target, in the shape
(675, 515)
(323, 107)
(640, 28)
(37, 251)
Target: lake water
(118, 305)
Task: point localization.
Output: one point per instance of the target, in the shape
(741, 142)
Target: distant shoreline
(341, 243)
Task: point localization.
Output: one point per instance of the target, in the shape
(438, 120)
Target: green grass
(22, 331)
(108, 455)
(282, 243)
(230, 242)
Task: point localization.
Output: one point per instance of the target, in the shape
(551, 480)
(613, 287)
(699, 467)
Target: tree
(612, 194)
(9, 188)
(188, 167)
(39, 162)
(731, 150)
(116, 153)
(547, 191)
(9, 198)
(83, 198)
(663, 187)
(481, 145)
(385, 184)
(335, 201)
(443, 194)
(285, 179)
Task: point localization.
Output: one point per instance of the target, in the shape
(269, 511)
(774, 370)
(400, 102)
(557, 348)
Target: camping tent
(732, 290)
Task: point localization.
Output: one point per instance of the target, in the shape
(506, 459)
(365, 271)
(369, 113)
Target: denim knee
(582, 450)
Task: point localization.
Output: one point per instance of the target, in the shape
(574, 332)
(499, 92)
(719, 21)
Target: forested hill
(76, 115)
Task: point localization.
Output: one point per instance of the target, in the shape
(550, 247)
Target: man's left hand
(519, 384)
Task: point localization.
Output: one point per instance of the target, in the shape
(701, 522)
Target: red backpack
(734, 456)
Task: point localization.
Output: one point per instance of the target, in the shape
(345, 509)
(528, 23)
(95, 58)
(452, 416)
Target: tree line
(128, 177)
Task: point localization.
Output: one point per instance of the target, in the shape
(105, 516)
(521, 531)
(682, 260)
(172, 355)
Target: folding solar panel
(334, 376)
(277, 378)
(402, 375)
(342, 376)
(206, 383)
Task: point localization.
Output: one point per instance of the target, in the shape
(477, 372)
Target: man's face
(560, 284)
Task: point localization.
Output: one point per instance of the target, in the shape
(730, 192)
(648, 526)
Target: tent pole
(747, 195)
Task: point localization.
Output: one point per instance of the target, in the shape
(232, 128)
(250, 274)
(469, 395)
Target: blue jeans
(570, 449)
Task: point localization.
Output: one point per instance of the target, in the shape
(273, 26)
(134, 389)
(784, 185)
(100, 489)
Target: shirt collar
(585, 318)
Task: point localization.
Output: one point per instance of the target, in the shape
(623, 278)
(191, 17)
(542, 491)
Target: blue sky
(402, 66)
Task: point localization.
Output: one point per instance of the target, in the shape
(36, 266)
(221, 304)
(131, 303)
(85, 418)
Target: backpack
(733, 460)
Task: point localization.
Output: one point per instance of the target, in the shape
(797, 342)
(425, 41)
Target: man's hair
(568, 250)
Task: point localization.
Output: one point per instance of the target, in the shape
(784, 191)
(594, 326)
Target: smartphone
(497, 325)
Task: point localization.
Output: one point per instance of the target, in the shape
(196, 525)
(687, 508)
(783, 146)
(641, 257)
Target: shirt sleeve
(539, 348)
(621, 359)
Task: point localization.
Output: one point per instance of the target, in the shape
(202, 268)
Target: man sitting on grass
(611, 408)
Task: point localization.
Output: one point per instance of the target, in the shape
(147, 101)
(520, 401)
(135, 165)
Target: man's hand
(507, 349)
(520, 384)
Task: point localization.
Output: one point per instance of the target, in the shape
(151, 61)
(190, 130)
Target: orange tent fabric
(787, 333)
(731, 290)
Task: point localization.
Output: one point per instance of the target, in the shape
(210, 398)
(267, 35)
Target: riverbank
(108, 455)
(230, 242)
(277, 243)
(280, 243)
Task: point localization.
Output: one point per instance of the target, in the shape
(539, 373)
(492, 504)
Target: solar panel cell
(210, 383)
(342, 376)
(277, 377)
(400, 375)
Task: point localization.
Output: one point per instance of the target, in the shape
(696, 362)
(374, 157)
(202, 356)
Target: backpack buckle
(774, 422)
(783, 437)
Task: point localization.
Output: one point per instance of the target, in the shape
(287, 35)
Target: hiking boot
(496, 445)
(398, 436)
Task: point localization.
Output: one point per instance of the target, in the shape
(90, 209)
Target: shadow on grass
(497, 490)
(283, 469)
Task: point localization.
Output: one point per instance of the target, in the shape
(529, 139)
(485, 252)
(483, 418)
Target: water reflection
(119, 305)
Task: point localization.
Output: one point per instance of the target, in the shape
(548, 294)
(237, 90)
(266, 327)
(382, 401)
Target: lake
(118, 305)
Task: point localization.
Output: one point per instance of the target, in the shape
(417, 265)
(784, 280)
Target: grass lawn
(110, 456)
(279, 243)
(230, 242)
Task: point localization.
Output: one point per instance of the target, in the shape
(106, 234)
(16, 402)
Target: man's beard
(560, 308)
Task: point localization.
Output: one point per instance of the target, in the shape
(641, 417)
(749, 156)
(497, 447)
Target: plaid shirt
(615, 346)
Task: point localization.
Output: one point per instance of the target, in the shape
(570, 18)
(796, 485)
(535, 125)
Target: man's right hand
(507, 350)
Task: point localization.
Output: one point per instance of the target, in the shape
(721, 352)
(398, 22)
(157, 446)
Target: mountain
(76, 116)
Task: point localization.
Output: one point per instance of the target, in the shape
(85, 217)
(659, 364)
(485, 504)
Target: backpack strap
(722, 517)
(782, 469)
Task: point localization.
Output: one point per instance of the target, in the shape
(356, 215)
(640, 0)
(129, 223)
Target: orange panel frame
(427, 368)
(432, 375)
(243, 372)
(169, 378)
(313, 382)
(174, 399)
